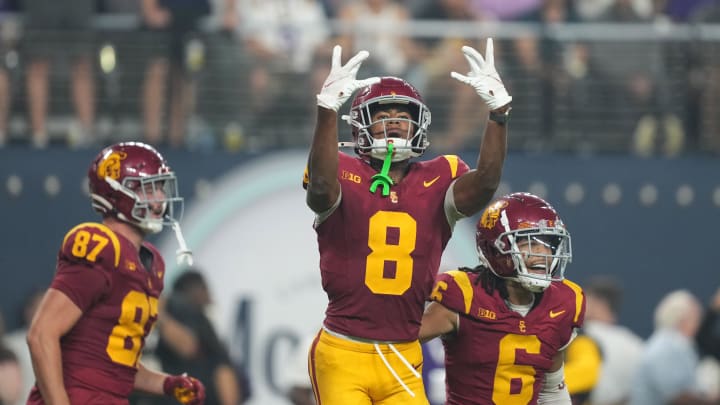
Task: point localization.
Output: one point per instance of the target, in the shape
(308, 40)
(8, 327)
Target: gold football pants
(345, 371)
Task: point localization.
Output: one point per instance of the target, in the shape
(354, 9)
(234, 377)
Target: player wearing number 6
(383, 221)
(506, 322)
(87, 335)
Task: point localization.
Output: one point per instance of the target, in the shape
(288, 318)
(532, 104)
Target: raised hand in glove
(341, 82)
(186, 390)
(483, 77)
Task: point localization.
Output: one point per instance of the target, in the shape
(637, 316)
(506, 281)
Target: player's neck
(130, 232)
(518, 295)
(397, 169)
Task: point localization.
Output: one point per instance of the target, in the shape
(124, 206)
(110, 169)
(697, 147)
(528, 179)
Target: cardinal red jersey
(102, 273)
(379, 255)
(497, 355)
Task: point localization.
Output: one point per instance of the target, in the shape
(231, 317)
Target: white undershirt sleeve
(451, 212)
(554, 391)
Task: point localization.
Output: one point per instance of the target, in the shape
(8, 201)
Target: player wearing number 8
(506, 322)
(89, 330)
(383, 221)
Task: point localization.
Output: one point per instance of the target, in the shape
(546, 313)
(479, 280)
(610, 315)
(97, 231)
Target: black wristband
(500, 117)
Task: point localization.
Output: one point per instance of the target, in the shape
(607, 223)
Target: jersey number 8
(383, 252)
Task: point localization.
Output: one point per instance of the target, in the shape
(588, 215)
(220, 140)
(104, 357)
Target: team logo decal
(110, 165)
(491, 214)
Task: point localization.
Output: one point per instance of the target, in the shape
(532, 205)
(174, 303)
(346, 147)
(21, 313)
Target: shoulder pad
(93, 243)
(579, 296)
(454, 290)
(457, 166)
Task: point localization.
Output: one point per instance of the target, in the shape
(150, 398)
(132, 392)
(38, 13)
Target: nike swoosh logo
(330, 83)
(431, 182)
(556, 314)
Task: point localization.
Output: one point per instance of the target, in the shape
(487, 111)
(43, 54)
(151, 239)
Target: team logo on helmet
(110, 165)
(491, 214)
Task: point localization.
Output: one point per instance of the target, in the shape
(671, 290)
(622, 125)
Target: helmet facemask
(408, 143)
(156, 200)
(534, 249)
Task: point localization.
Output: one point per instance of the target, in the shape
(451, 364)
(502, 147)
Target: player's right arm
(451, 296)
(323, 187)
(87, 251)
(437, 320)
(55, 316)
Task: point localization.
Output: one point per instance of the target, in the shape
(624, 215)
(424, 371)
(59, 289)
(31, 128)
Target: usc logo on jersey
(491, 214)
(110, 165)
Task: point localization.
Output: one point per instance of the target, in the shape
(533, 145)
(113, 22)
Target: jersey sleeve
(576, 304)
(457, 166)
(573, 301)
(93, 245)
(88, 254)
(454, 290)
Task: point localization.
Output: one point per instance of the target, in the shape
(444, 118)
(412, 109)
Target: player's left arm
(474, 189)
(554, 391)
(55, 316)
(149, 381)
(185, 389)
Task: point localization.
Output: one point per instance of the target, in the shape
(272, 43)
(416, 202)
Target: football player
(506, 322)
(383, 221)
(87, 335)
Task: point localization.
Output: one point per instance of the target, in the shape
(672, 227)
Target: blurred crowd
(242, 74)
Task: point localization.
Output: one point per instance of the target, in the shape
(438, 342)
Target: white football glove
(483, 77)
(341, 82)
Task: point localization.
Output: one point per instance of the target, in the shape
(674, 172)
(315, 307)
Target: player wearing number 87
(383, 221)
(89, 330)
(506, 322)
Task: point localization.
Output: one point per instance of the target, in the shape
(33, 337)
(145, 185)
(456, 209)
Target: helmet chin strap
(536, 286)
(383, 178)
(184, 254)
(402, 151)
